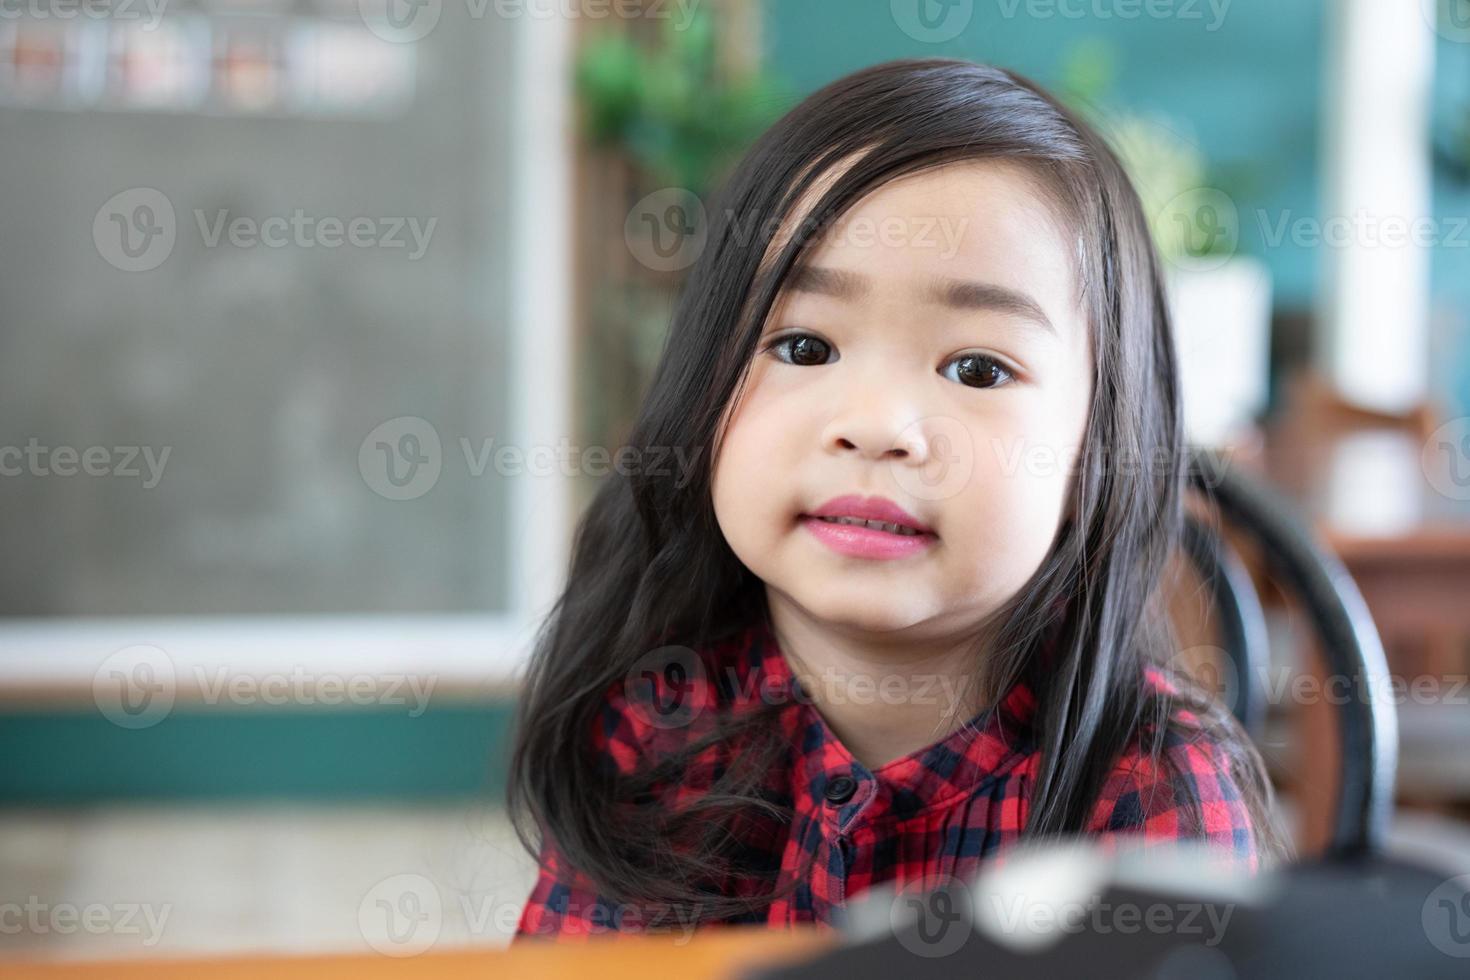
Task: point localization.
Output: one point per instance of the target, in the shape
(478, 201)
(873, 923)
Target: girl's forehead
(955, 186)
(983, 220)
(973, 202)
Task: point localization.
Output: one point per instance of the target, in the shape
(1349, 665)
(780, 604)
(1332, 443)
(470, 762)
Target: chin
(882, 613)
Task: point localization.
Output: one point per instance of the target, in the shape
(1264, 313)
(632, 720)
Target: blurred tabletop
(717, 953)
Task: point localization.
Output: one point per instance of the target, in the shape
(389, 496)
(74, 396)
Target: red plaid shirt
(931, 815)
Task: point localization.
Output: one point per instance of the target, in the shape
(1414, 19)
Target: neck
(885, 695)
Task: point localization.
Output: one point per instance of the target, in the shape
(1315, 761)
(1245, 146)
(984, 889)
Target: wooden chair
(1366, 725)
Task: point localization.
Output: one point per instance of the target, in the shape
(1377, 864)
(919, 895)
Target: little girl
(905, 613)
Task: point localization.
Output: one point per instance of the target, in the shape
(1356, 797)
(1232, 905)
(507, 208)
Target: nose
(878, 437)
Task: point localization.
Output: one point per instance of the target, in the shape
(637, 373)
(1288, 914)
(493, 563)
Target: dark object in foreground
(1347, 917)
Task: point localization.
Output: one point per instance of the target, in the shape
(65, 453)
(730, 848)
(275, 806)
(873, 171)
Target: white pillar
(543, 139)
(1373, 344)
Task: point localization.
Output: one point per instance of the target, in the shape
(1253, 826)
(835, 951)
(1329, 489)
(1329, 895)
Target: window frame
(475, 652)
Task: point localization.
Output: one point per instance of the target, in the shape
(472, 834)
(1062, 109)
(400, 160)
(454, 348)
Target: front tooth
(875, 525)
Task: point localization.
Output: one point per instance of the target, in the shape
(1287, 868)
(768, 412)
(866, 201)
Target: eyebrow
(960, 294)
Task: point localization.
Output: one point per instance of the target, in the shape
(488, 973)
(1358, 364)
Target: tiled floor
(174, 880)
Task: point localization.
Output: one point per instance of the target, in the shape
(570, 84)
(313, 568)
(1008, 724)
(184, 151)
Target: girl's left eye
(978, 371)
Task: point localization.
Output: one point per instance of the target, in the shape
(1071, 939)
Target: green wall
(451, 751)
(1249, 83)
(1250, 87)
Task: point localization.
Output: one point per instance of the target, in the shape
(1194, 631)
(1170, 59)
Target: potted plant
(665, 116)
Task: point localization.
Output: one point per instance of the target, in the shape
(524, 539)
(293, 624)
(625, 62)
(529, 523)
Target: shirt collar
(964, 761)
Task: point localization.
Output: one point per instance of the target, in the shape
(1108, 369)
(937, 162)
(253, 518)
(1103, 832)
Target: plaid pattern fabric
(928, 816)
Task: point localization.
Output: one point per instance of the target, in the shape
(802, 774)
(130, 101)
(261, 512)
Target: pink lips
(867, 542)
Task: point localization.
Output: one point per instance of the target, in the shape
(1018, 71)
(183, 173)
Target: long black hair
(650, 565)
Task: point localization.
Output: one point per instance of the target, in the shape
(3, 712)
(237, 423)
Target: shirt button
(840, 790)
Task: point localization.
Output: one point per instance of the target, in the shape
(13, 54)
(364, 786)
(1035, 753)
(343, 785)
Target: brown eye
(805, 350)
(980, 371)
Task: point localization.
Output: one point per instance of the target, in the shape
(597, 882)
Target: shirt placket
(845, 798)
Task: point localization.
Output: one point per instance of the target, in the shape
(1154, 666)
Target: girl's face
(933, 354)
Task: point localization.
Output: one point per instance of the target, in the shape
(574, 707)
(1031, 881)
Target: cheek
(1011, 513)
(729, 492)
(1018, 494)
(741, 480)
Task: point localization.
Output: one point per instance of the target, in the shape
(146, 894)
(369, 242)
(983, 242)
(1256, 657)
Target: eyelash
(1010, 375)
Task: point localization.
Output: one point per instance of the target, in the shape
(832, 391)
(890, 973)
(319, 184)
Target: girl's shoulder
(1161, 683)
(1180, 784)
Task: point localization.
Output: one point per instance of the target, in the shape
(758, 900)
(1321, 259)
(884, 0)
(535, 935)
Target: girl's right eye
(805, 350)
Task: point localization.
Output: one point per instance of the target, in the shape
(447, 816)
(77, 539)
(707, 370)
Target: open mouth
(898, 529)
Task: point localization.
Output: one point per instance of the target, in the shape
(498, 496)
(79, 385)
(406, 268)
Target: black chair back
(1367, 723)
